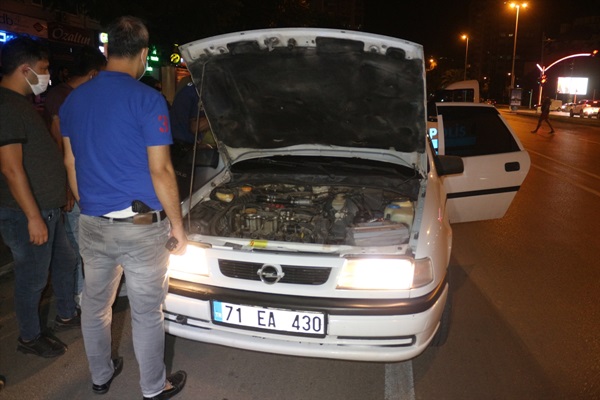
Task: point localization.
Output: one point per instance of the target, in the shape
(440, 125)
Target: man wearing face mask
(32, 192)
(116, 136)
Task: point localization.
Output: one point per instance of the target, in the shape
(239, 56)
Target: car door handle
(512, 166)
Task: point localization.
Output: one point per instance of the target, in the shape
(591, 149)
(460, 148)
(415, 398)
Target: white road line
(563, 164)
(560, 176)
(399, 382)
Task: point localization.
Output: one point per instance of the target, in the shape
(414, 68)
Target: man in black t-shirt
(32, 192)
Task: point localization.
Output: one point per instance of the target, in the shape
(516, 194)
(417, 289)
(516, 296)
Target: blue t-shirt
(110, 121)
(184, 108)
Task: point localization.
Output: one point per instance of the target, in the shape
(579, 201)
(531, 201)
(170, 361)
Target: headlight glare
(193, 261)
(385, 274)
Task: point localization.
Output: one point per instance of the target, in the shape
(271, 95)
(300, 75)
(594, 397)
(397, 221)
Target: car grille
(293, 274)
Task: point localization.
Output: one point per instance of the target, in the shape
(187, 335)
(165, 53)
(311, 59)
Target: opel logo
(270, 274)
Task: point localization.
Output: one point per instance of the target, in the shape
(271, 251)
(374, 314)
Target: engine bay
(328, 214)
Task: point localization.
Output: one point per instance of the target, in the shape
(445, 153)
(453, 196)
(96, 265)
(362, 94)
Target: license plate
(270, 319)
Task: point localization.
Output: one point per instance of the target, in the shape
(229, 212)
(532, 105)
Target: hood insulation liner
(334, 94)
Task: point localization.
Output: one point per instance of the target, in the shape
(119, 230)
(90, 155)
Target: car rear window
(475, 131)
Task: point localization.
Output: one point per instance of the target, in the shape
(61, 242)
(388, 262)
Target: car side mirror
(449, 165)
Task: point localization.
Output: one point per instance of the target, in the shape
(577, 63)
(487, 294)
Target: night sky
(437, 25)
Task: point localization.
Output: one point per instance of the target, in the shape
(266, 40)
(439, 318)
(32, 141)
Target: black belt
(142, 218)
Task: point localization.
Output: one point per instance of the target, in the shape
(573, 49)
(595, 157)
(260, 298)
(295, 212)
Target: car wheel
(440, 337)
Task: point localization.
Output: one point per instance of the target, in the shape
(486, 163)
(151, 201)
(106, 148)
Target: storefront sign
(18, 23)
(69, 34)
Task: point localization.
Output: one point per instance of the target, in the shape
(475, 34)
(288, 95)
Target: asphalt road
(524, 322)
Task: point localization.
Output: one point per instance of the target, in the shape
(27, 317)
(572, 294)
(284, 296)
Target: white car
(586, 108)
(326, 231)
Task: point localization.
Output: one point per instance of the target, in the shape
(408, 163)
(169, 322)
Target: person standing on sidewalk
(116, 137)
(32, 192)
(545, 115)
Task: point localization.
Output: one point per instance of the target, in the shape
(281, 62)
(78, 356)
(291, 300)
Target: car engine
(305, 214)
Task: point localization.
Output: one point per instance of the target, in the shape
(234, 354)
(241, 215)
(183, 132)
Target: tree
(451, 76)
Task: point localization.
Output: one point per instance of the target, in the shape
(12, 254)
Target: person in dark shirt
(545, 115)
(32, 192)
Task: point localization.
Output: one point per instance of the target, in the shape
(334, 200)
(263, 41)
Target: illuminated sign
(570, 85)
(68, 34)
(20, 24)
(103, 37)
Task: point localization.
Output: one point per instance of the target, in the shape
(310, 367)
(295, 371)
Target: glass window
(475, 131)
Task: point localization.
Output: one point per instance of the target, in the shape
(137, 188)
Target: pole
(466, 57)
(541, 86)
(512, 71)
(544, 68)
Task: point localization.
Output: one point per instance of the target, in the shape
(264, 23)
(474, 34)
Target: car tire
(441, 336)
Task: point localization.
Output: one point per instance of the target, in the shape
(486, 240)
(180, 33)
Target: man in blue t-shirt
(184, 114)
(116, 141)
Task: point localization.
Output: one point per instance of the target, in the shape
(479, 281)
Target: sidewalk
(554, 115)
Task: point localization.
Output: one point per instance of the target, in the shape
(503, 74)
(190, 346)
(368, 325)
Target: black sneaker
(63, 325)
(41, 346)
(177, 381)
(118, 366)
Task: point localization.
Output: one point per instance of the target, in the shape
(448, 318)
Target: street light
(517, 5)
(544, 69)
(466, 37)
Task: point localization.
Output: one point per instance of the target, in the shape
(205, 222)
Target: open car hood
(312, 92)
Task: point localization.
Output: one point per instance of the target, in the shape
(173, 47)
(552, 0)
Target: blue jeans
(108, 249)
(32, 264)
(72, 227)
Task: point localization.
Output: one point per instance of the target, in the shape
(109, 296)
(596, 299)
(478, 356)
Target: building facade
(65, 32)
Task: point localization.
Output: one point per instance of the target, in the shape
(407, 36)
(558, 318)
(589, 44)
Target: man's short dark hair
(127, 36)
(22, 50)
(89, 59)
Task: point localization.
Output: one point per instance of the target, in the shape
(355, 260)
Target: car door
(495, 163)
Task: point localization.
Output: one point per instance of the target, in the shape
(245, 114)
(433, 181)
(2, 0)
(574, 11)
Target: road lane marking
(561, 177)
(399, 382)
(563, 164)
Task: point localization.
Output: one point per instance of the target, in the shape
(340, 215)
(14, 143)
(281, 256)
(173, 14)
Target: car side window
(475, 131)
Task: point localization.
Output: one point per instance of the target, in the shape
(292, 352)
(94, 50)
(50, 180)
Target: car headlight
(385, 273)
(193, 261)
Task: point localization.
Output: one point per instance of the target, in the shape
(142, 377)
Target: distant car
(585, 108)
(555, 105)
(327, 233)
(593, 109)
(567, 107)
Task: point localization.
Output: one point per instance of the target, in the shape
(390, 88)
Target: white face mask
(145, 64)
(41, 85)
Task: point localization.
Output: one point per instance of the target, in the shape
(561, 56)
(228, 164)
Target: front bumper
(384, 330)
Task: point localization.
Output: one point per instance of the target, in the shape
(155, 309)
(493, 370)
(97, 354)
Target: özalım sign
(70, 35)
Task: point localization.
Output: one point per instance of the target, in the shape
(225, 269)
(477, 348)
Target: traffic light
(543, 79)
